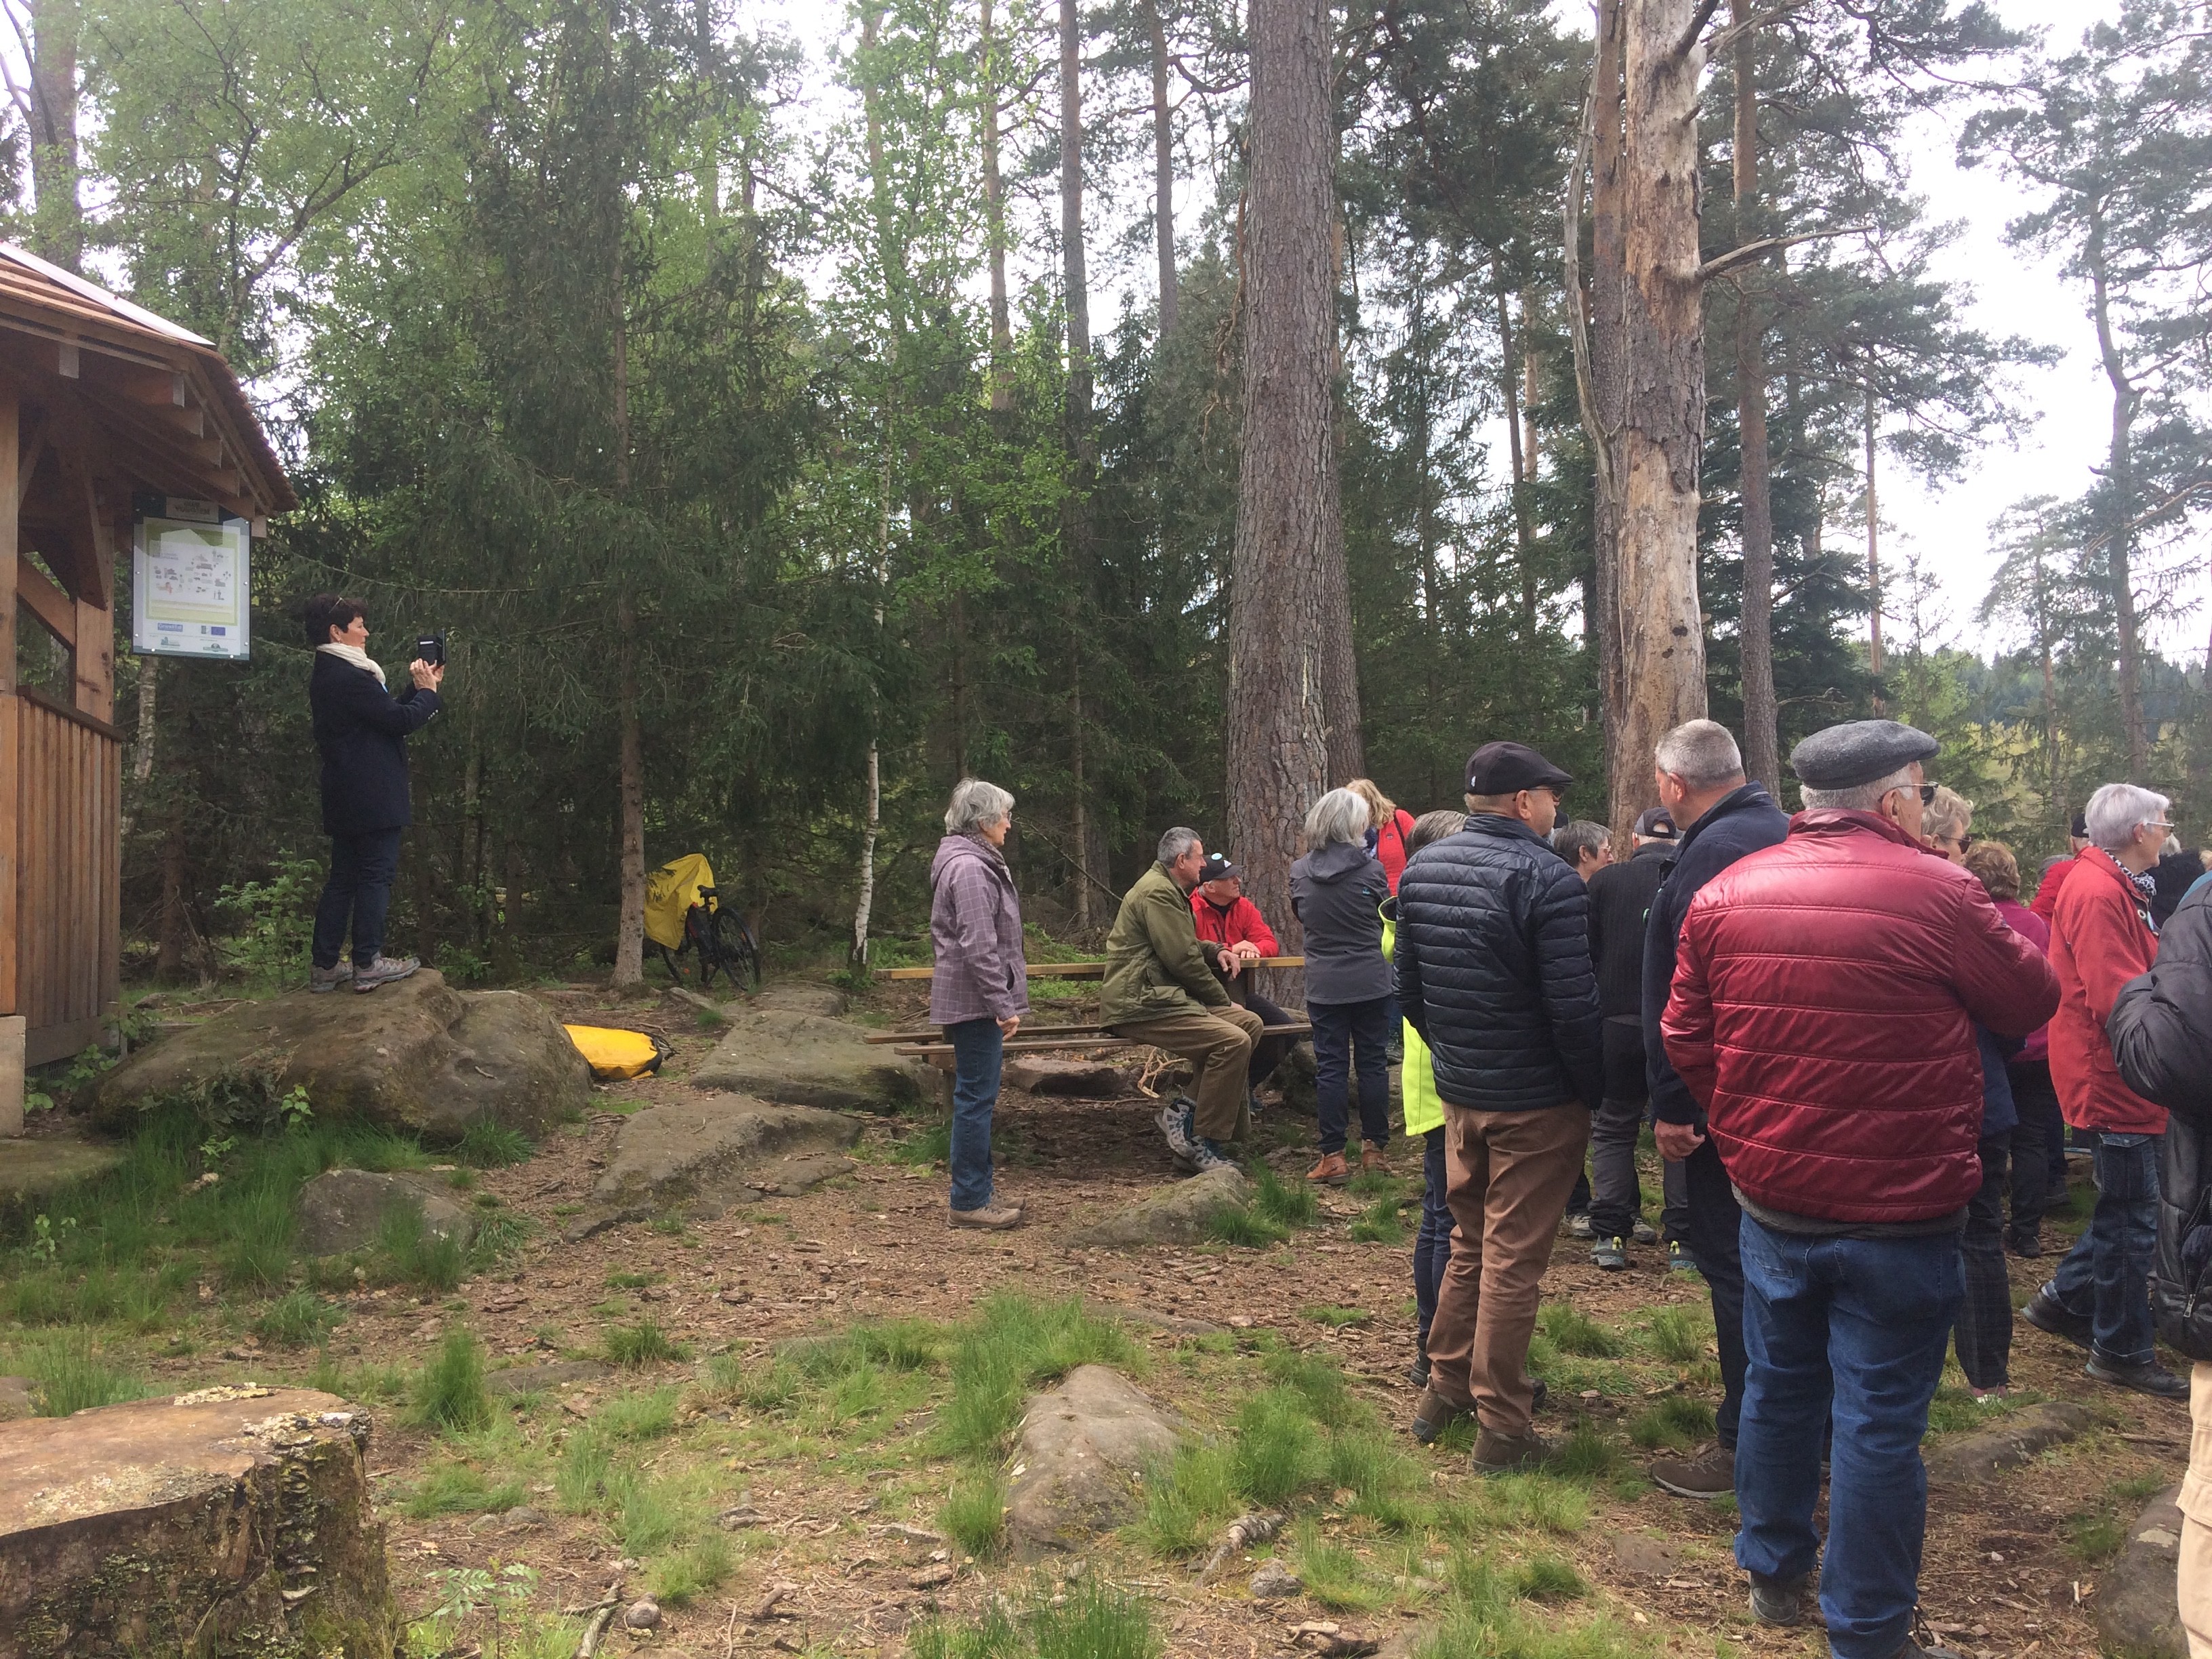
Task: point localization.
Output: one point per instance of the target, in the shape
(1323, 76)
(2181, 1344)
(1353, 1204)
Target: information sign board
(189, 593)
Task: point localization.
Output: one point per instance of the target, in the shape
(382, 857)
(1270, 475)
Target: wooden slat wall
(68, 895)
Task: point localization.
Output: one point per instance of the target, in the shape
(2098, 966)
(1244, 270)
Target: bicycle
(720, 940)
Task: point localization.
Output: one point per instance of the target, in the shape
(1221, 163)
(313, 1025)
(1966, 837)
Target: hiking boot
(1417, 1372)
(1709, 1474)
(1435, 1415)
(1503, 1454)
(1175, 1127)
(329, 979)
(1679, 1260)
(1578, 1226)
(1538, 1393)
(1610, 1254)
(1782, 1601)
(1372, 1162)
(2027, 1245)
(383, 971)
(2046, 1313)
(1208, 1156)
(2150, 1377)
(1644, 1233)
(992, 1217)
(1331, 1171)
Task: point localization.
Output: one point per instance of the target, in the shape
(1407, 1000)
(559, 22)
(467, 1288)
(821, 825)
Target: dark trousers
(1433, 1245)
(358, 891)
(2039, 1148)
(1267, 1053)
(978, 1055)
(1714, 1235)
(1348, 1039)
(1984, 1333)
(1616, 1203)
(2105, 1277)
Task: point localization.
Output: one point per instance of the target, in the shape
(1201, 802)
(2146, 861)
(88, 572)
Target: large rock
(1083, 1447)
(414, 1055)
(36, 1165)
(2006, 1444)
(805, 1060)
(1175, 1214)
(236, 1522)
(722, 1147)
(342, 1210)
(826, 1000)
(1092, 1079)
(2136, 1609)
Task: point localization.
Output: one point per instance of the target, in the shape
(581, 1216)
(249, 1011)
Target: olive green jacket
(1156, 966)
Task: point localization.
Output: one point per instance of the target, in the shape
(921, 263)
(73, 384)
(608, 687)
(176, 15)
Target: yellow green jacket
(1425, 1110)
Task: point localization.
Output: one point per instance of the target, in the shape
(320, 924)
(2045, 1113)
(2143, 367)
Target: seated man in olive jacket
(1164, 987)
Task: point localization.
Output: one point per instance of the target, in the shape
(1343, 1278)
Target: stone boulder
(704, 1152)
(342, 1210)
(2006, 1444)
(1085, 1080)
(2135, 1608)
(413, 1055)
(232, 1521)
(554, 1374)
(1175, 1214)
(805, 1060)
(825, 1000)
(1083, 1447)
(38, 1164)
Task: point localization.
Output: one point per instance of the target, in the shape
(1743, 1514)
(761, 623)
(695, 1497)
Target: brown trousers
(1219, 1042)
(1507, 1178)
(2193, 1571)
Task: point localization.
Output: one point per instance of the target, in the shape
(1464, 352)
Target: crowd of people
(1860, 1055)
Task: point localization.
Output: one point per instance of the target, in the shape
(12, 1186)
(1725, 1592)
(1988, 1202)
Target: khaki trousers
(1219, 1042)
(1507, 1178)
(2193, 1573)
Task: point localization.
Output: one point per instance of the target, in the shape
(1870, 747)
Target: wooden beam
(94, 656)
(33, 447)
(38, 596)
(69, 366)
(10, 756)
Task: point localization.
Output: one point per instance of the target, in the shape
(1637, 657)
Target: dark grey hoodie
(1338, 894)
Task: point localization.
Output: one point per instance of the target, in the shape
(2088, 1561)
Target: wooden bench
(1077, 970)
(924, 1045)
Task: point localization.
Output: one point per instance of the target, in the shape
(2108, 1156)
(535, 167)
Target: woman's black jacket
(2161, 1034)
(361, 730)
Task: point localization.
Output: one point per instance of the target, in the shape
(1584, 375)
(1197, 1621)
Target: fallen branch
(1243, 1532)
(602, 1616)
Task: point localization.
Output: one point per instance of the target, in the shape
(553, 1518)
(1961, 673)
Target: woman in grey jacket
(1337, 890)
(980, 990)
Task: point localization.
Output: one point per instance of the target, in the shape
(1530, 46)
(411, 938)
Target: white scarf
(359, 657)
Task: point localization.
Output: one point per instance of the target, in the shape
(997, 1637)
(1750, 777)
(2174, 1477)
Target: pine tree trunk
(994, 225)
(1163, 169)
(1761, 737)
(1082, 452)
(629, 927)
(1289, 551)
(1524, 533)
(1874, 558)
(58, 215)
(2120, 482)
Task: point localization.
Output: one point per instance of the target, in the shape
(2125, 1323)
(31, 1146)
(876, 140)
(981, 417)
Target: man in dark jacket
(361, 730)
(1619, 899)
(1493, 972)
(1824, 1004)
(1699, 772)
(2161, 1032)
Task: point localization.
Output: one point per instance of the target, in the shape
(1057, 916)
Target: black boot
(1417, 1373)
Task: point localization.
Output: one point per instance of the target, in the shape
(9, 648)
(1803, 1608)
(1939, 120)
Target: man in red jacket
(1823, 1010)
(1224, 915)
(2101, 938)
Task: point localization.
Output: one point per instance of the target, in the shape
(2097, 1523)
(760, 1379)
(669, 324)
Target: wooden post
(11, 1016)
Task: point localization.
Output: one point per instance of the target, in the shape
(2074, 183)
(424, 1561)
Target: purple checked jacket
(975, 925)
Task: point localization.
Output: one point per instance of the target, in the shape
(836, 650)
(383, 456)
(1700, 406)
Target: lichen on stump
(233, 1521)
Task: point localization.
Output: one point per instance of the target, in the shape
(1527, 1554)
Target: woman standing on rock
(981, 988)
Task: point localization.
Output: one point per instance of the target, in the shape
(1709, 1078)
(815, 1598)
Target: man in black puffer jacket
(1493, 970)
(2162, 1035)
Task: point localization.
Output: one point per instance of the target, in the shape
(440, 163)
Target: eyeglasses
(1928, 794)
(1962, 841)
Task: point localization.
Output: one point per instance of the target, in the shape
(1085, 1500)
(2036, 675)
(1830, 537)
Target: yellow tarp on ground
(670, 892)
(614, 1054)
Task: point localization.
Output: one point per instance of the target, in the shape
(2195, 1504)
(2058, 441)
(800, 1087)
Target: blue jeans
(1870, 1318)
(358, 890)
(1348, 1038)
(1433, 1245)
(2104, 1277)
(978, 1051)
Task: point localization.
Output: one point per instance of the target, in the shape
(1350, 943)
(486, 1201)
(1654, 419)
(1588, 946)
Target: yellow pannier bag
(670, 893)
(614, 1054)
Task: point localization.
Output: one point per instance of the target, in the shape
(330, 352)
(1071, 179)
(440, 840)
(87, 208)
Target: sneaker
(2150, 1377)
(383, 971)
(1782, 1601)
(1435, 1415)
(1993, 1396)
(1679, 1260)
(1644, 1233)
(1252, 1103)
(1208, 1156)
(1174, 1123)
(1372, 1162)
(992, 1217)
(329, 979)
(1709, 1474)
(2025, 1245)
(1578, 1226)
(1331, 1171)
(1610, 1254)
(1917, 1647)
(1505, 1453)
(2046, 1313)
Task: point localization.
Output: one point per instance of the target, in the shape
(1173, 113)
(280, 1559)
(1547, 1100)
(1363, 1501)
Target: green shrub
(975, 1512)
(635, 1346)
(296, 1319)
(449, 1391)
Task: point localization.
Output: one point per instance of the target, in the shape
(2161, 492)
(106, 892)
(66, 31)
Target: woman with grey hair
(981, 988)
(1337, 891)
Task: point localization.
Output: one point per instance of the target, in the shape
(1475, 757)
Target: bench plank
(1075, 970)
(1021, 1045)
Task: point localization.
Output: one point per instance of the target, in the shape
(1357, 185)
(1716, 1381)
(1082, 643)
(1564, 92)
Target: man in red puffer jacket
(1823, 1011)
(2101, 937)
(1222, 915)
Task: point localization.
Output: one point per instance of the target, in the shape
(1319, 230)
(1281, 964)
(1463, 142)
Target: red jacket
(2032, 928)
(2101, 939)
(1823, 1010)
(1390, 846)
(1241, 922)
(2053, 882)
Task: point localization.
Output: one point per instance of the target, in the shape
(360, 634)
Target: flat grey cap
(1859, 752)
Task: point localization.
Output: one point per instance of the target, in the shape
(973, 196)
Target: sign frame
(190, 580)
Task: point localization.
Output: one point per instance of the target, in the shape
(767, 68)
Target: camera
(431, 648)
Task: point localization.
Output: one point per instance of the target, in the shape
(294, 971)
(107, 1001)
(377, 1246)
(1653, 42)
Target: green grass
(1336, 1318)
(1285, 1203)
(457, 1489)
(1094, 1621)
(1382, 1221)
(991, 1635)
(489, 1145)
(619, 1281)
(297, 1319)
(638, 1416)
(635, 1346)
(1528, 1504)
(1677, 1335)
(415, 1254)
(449, 1391)
(648, 1514)
(931, 1146)
(703, 1565)
(1234, 1224)
(2094, 1538)
(69, 1372)
(1278, 1454)
(975, 1512)
(1677, 1421)
(1013, 1345)
(1576, 1333)
(579, 1482)
(1185, 1501)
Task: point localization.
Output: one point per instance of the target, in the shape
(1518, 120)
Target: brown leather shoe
(1371, 1161)
(1435, 1414)
(996, 1218)
(1503, 1454)
(1332, 1170)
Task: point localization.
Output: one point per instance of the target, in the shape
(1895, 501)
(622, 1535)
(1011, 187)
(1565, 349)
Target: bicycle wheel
(671, 960)
(735, 949)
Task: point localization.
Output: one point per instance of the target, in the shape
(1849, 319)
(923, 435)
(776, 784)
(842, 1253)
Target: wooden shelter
(100, 403)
